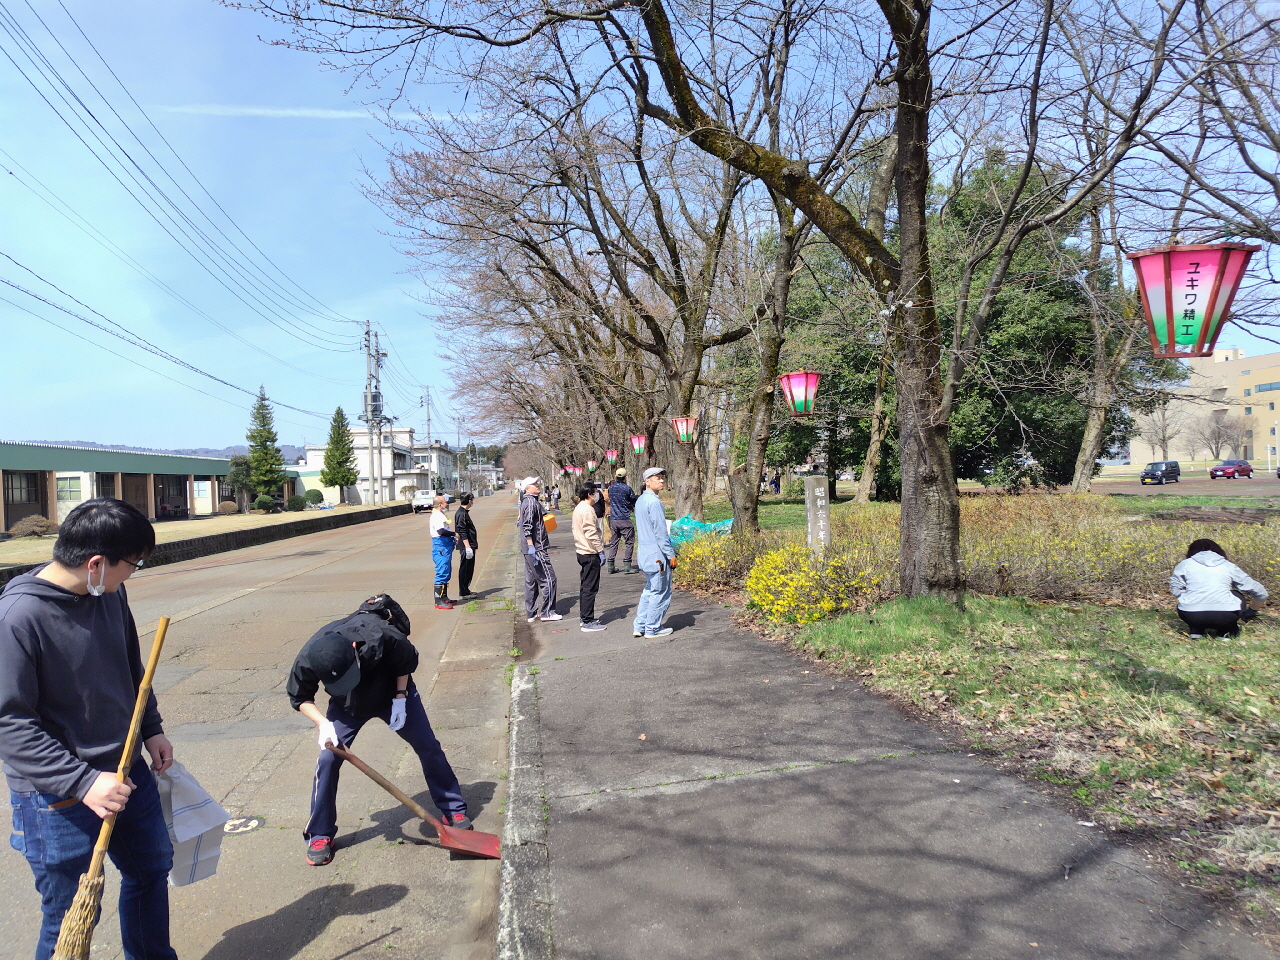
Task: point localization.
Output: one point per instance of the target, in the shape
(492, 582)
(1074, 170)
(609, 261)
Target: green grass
(1136, 720)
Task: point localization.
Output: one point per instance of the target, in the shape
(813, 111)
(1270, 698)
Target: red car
(1231, 469)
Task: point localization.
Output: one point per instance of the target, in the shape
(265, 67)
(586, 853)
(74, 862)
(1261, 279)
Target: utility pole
(372, 406)
(432, 462)
(378, 356)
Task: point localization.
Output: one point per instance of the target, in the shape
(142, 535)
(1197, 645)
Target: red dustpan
(471, 842)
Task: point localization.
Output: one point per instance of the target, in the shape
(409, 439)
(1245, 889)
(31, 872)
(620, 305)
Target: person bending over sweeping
(70, 671)
(366, 662)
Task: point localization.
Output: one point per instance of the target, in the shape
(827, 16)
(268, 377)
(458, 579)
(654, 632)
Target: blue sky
(272, 136)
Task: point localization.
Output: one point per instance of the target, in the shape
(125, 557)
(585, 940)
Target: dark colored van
(1162, 471)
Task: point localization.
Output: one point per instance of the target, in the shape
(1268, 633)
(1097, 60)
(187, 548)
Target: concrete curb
(196, 547)
(524, 908)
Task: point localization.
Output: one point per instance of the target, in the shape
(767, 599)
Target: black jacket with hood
(70, 669)
(385, 653)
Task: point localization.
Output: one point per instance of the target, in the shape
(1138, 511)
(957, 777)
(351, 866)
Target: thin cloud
(246, 110)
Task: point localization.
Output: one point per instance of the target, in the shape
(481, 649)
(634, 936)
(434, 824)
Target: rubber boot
(612, 568)
(631, 568)
(442, 598)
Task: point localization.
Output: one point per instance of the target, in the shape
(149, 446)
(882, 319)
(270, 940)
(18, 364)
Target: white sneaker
(664, 632)
(551, 616)
(636, 633)
(531, 619)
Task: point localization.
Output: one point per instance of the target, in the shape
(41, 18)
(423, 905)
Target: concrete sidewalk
(713, 795)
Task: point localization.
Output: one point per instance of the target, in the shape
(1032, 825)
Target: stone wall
(177, 550)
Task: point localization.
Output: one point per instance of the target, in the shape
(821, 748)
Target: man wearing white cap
(539, 576)
(656, 557)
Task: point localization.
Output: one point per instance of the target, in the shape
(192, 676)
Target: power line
(72, 216)
(336, 317)
(241, 284)
(123, 333)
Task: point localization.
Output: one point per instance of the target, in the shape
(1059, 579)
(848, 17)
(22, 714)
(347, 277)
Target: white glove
(327, 734)
(468, 553)
(397, 713)
(602, 558)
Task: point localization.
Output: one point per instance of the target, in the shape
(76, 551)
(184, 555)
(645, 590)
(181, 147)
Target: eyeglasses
(136, 566)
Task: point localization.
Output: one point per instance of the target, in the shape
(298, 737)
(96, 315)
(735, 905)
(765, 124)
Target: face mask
(101, 588)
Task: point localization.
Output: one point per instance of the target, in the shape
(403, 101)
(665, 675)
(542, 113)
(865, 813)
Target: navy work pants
(446, 794)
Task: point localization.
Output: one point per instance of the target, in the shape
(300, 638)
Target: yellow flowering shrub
(1043, 546)
(794, 585)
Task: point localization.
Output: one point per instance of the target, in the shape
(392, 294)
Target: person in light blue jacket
(656, 558)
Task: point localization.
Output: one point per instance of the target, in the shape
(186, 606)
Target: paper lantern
(800, 388)
(684, 427)
(637, 444)
(1187, 291)
(611, 456)
(591, 466)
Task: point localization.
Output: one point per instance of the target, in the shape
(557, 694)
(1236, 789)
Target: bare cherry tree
(1016, 69)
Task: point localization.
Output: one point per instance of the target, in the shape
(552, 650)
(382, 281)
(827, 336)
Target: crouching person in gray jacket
(1208, 587)
(70, 668)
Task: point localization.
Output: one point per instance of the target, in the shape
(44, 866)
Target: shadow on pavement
(285, 933)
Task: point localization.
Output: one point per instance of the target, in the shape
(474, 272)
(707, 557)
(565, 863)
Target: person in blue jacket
(622, 500)
(657, 558)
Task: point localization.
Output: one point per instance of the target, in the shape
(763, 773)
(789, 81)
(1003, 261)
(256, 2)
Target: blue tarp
(687, 528)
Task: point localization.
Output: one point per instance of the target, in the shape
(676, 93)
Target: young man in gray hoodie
(70, 668)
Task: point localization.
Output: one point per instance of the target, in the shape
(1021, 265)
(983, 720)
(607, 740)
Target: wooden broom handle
(385, 784)
(130, 744)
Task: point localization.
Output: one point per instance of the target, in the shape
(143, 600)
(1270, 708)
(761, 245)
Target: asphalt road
(1263, 483)
(238, 621)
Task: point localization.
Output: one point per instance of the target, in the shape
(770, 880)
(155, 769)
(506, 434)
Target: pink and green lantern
(800, 389)
(591, 466)
(684, 427)
(611, 456)
(1187, 291)
(637, 444)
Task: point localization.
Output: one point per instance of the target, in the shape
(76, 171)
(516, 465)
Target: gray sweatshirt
(70, 669)
(1204, 582)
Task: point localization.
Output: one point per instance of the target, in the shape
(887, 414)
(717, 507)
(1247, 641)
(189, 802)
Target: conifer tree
(266, 462)
(339, 457)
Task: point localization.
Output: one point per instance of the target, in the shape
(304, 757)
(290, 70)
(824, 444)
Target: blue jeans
(58, 844)
(654, 600)
(446, 794)
(442, 557)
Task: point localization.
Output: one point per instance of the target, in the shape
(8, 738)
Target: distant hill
(290, 452)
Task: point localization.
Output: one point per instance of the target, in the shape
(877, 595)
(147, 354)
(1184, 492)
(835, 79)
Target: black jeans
(466, 570)
(589, 565)
(1225, 622)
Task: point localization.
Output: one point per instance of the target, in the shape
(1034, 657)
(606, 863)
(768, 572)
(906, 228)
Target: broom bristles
(76, 935)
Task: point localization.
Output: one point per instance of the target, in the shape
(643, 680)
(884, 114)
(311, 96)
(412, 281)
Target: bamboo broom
(76, 935)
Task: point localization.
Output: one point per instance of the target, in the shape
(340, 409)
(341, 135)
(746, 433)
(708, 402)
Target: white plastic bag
(195, 821)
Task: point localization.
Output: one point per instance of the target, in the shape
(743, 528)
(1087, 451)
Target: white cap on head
(653, 472)
(529, 481)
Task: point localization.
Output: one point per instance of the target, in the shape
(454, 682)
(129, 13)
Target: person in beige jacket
(588, 541)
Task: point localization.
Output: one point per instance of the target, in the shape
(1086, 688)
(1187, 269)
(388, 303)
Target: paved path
(713, 795)
(239, 618)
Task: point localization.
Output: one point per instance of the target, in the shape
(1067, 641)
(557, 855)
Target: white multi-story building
(398, 468)
(439, 461)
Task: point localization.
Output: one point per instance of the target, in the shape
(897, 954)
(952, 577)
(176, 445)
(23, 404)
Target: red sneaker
(319, 851)
(459, 821)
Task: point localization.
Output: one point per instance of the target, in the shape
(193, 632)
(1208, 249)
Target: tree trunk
(686, 480)
(745, 483)
(866, 488)
(929, 552)
(1091, 445)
